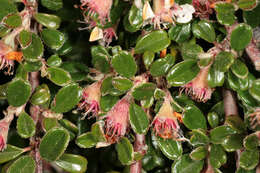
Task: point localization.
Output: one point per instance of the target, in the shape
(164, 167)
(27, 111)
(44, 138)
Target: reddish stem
(139, 146)
(230, 106)
(254, 54)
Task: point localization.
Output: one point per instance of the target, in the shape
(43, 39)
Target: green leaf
(204, 30)
(154, 41)
(251, 142)
(241, 35)
(213, 119)
(255, 89)
(193, 118)
(107, 102)
(48, 20)
(10, 153)
(144, 91)
(18, 92)
(66, 98)
(239, 69)
(172, 149)
(223, 61)
(97, 131)
(72, 163)
(54, 61)
(217, 156)
(138, 119)
(25, 125)
(25, 38)
(247, 4)
(13, 20)
(252, 17)
(148, 58)
(249, 159)
(69, 125)
(59, 76)
(78, 71)
(182, 73)
(198, 153)
(53, 38)
(122, 84)
(41, 95)
(54, 143)
(49, 123)
(236, 83)
(180, 33)
(162, 66)
(186, 165)
(190, 51)
(219, 133)
(86, 140)
(233, 143)
(135, 17)
(52, 4)
(7, 7)
(236, 123)
(124, 64)
(32, 66)
(100, 58)
(34, 51)
(125, 151)
(24, 164)
(199, 137)
(225, 13)
(215, 77)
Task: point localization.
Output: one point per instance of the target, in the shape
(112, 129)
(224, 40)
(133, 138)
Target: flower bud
(117, 120)
(198, 88)
(4, 127)
(90, 99)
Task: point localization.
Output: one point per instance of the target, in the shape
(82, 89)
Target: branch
(140, 147)
(230, 106)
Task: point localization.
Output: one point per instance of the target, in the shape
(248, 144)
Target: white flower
(184, 13)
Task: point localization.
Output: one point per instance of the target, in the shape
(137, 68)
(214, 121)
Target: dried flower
(165, 123)
(117, 120)
(183, 13)
(198, 88)
(90, 99)
(254, 118)
(7, 58)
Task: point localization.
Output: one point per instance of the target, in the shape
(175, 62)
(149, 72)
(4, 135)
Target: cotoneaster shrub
(137, 86)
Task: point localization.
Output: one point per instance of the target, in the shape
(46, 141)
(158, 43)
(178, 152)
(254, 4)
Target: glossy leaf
(180, 33)
(25, 38)
(239, 69)
(66, 98)
(138, 119)
(217, 156)
(144, 91)
(162, 66)
(48, 20)
(240, 37)
(34, 51)
(18, 92)
(107, 102)
(125, 151)
(247, 4)
(225, 13)
(54, 143)
(100, 58)
(154, 41)
(251, 142)
(41, 95)
(233, 142)
(53, 38)
(52, 4)
(122, 84)
(190, 51)
(59, 76)
(13, 20)
(72, 163)
(219, 133)
(182, 73)
(193, 118)
(186, 165)
(198, 153)
(86, 140)
(124, 64)
(255, 89)
(24, 164)
(204, 30)
(25, 125)
(172, 149)
(249, 159)
(10, 153)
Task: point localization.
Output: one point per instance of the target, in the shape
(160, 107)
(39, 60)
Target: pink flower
(202, 8)
(198, 88)
(117, 120)
(99, 8)
(165, 124)
(4, 127)
(2, 143)
(109, 34)
(90, 99)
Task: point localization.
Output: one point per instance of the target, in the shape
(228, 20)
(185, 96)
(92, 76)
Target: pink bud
(165, 124)
(90, 99)
(117, 120)
(198, 88)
